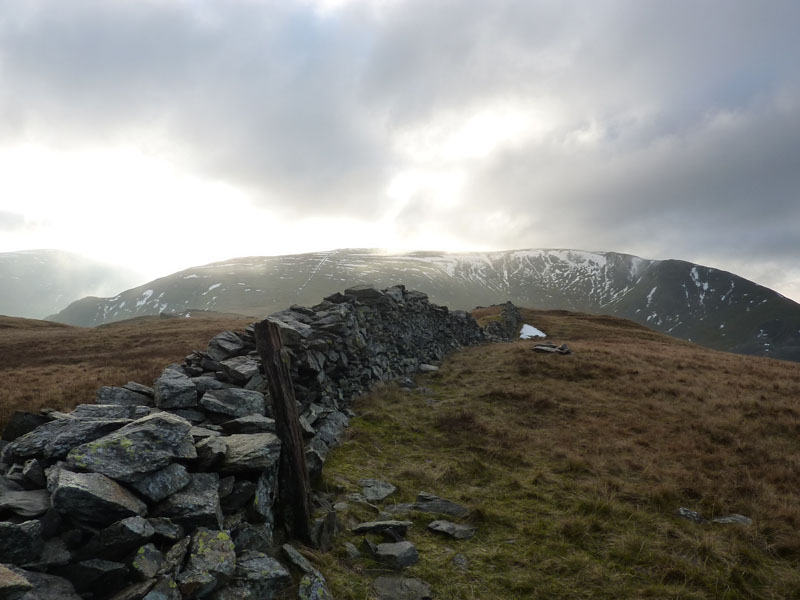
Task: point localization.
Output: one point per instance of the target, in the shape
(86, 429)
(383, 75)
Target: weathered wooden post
(294, 506)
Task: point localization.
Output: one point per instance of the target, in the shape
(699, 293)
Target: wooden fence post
(294, 506)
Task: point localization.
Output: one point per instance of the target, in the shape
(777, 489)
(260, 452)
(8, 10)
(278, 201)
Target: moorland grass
(574, 465)
(50, 365)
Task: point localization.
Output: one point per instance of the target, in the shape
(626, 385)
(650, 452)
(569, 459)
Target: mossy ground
(573, 467)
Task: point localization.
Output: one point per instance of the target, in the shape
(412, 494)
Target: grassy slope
(51, 365)
(574, 466)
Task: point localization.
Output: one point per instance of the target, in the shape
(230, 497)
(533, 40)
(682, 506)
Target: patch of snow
(213, 287)
(144, 298)
(650, 295)
(192, 276)
(529, 331)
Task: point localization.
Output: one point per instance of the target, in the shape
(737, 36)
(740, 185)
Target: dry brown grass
(57, 366)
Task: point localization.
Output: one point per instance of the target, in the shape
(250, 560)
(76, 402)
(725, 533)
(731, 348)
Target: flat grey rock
(20, 543)
(55, 439)
(160, 484)
(398, 555)
(376, 490)
(142, 447)
(165, 530)
(264, 576)
(47, 587)
(433, 504)
(454, 530)
(174, 390)
(234, 402)
(399, 528)
(733, 518)
(121, 396)
(110, 411)
(401, 588)
(13, 585)
(240, 369)
(95, 575)
(139, 388)
(196, 505)
(225, 345)
(164, 589)
(94, 498)
(690, 515)
(250, 452)
(147, 562)
(425, 368)
(250, 424)
(27, 503)
(297, 559)
(118, 539)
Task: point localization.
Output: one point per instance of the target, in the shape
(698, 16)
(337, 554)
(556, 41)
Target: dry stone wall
(168, 492)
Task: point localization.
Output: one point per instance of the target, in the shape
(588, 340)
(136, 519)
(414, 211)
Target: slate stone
(240, 495)
(196, 505)
(147, 562)
(424, 368)
(196, 584)
(732, 519)
(95, 574)
(157, 486)
(264, 576)
(240, 369)
(401, 588)
(331, 429)
(174, 390)
(397, 555)
(7, 485)
(20, 543)
(691, 515)
(22, 422)
(250, 452)
(55, 439)
(13, 585)
(204, 383)
(165, 530)
(211, 452)
(164, 589)
(199, 433)
(192, 415)
(174, 557)
(454, 530)
(94, 498)
(298, 560)
(118, 539)
(376, 490)
(55, 554)
(394, 528)
(139, 388)
(47, 587)
(110, 411)
(234, 402)
(392, 511)
(121, 396)
(142, 447)
(34, 474)
(433, 504)
(28, 503)
(135, 591)
(250, 424)
(313, 587)
(211, 553)
(226, 345)
(264, 497)
(323, 529)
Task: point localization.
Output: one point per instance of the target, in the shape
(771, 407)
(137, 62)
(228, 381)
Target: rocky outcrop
(169, 491)
(506, 328)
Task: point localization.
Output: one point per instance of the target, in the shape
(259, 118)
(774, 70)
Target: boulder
(250, 452)
(55, 439)
(29, 503)
(94, 498)
(22, 422)
(157, 486)
(454, 530)
(240, 369)
(174, 390)
(20, 543)
(141, 447)
(226, 345)
(13, 585)
(250, 424)
(234, 402)
(121, 396)
(47, 587)
(139, 388)
(211, 562)
(433, 504)
(397, 555)
(196, 505)
(118, 539)
(376, 490)
(262, 575)
(401, 588)
(147, 562)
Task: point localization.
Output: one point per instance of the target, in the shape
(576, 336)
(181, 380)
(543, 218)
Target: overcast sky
(161, 134)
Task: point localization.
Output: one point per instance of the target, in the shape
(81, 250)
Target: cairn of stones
(169, 491)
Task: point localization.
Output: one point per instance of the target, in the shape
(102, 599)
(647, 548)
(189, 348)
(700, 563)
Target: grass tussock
(57, 366)
(574, 465)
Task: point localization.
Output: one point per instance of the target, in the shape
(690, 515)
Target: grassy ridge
(52, 365)
(574, 466)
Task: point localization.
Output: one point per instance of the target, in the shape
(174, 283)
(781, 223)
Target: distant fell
(708, 306)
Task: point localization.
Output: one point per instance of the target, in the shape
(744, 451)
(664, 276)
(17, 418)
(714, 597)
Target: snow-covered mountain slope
(711, 307)
(36, 283)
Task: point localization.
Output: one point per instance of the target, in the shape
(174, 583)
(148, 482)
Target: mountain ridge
(709, 306)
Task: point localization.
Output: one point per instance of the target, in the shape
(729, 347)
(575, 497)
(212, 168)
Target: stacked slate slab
(168, 492)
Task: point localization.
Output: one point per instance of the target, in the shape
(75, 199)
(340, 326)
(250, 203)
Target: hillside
(573, 468)
(52, 365)
(37, 283)
(705, 305)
